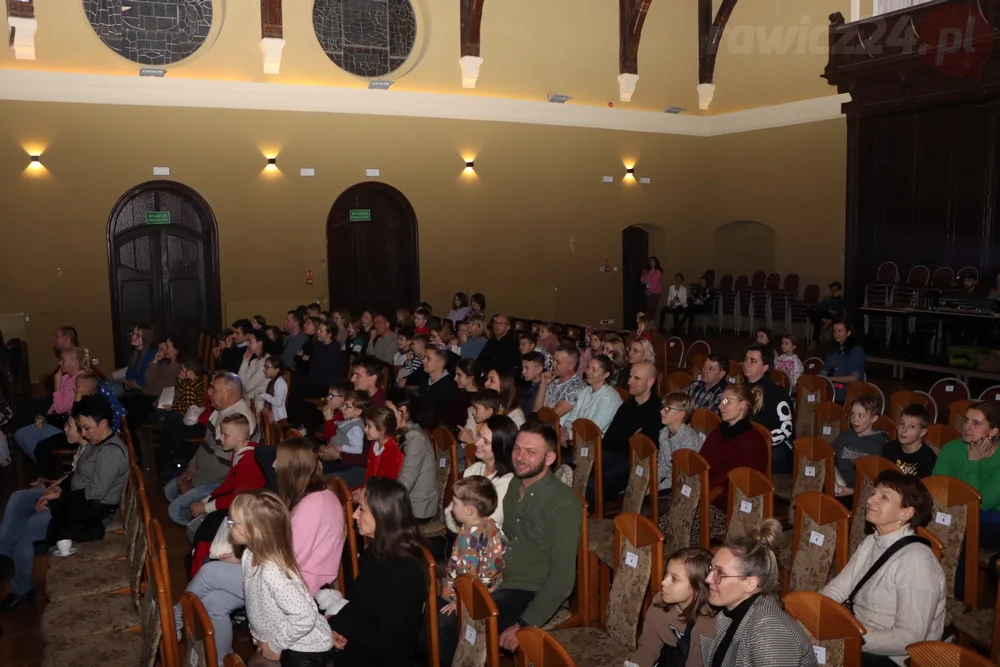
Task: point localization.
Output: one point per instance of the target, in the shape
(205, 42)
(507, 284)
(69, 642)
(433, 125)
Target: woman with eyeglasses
(318, 533)
(381, 623)
(904, 600)
(494, 445)
(734, 444)
(752, 629)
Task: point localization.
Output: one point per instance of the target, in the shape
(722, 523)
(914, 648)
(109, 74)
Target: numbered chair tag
(948, 388)
(443, 462)
(638, 471)
(810, 398)
(827, 430)
(820, 654)
(629, 663)
(810, 471)
(631, 559)
(746, 506)
(470, 634)
(193, 658)
(996, 397)
(943, 519)
(817, 538)
(698, 378)
(686, 491)
(585, 451)
(672, 343)
(732, 380)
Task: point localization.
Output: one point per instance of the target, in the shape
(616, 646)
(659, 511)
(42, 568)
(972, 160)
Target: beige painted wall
(534, 218)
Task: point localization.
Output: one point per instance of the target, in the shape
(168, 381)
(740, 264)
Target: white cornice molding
(40, 86)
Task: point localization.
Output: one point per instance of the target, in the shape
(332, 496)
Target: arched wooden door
(164, 265)
(372, 250)
(635, 256)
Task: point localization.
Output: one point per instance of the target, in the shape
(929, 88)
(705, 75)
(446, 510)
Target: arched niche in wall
(744, 246)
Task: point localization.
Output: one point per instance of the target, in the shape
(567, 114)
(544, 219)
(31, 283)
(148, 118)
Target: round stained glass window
(368, 38)
(151, 32)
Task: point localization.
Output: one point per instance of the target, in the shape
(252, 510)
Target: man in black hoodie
(500, 352)
(776, 414)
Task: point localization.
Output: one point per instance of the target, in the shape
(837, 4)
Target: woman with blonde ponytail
(752, 629)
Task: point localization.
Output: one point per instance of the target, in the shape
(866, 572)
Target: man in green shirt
(542, 521)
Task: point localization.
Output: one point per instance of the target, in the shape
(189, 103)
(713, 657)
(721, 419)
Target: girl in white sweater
(904, 600)
(284, 620)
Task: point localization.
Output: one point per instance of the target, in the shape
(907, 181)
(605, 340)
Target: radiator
(12, 325)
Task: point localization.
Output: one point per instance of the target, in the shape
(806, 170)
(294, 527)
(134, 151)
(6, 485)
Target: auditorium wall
(531, 228)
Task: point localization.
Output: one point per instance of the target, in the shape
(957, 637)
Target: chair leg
(605, 592)
(592, 602)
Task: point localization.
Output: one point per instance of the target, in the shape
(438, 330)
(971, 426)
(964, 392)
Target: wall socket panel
(607, 179)
(644, 180)
(607, 321)
(307, 171)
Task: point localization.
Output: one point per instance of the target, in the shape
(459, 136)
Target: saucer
(55, 552)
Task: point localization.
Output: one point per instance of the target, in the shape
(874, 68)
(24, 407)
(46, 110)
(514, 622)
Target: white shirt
(280, 610)
(598, 406)
(500, 483)
(277, 401)
(677, 296)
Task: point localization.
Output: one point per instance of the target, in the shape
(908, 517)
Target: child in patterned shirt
(480, 546)
(189, 389)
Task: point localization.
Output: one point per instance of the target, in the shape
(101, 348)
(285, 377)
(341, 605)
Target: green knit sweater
(983, 476)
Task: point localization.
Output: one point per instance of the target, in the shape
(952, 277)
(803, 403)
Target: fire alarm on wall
(309, 277)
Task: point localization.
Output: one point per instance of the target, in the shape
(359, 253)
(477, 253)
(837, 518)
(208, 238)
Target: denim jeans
(180, 503)
(20, 528)
(219, 586)
(28, 437)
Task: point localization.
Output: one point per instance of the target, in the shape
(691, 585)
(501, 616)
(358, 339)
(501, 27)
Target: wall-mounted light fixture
(630, 171)
(36, 162)
(469, 164)
(272, 162)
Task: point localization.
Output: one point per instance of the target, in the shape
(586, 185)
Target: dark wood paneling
(635, 257)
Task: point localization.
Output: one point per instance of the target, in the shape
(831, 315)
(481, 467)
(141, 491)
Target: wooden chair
(264, 423)
(819, 542)
(931, 405)
(197, 634)
(903, 398)
(678, 381)
(751, 500)
(939, 435)
(813, 465)
(446, 450)
(810, 391)
(887, 426)
(735, 375)
(699, 348)
(991, 394)
(292, 433)
(866, 469)
(765, 433)
(688, 500)
(350, 555)
(829, 625)
(937, 546)
(695, 363)
(587, 447)
(980, 627)
(431, 610)
(549, 416)
(857, 389)
(943, 654)
(829, 420)
(477, 627)
(946, 391)
(955, 518)
(812, 366)
(638, 563)
(233, 660)
(705, 421)
(470, 454)
(781, 379)
(956, 413)
(623, 393)
(537, 648)
(674, 352)
(579, 608)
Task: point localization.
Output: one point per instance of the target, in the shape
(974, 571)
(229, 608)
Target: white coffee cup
(64, 546)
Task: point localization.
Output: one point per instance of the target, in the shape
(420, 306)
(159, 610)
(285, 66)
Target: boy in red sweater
(244, 473)
(385, 458)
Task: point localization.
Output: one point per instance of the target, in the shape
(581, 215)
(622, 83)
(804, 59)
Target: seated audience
(258, 322)
(473, 346)
(385, 458)
(477, 305)
(788, 361)
(752, 628)
(775, 414)
(340, 318)
(614, 348)
(418, 474)
(382, 343)
(500, 353)
(595, 348)
(284, 621)
(502, 382)
(909, 451)
(230, 358)
(251, 371)
(559, 389)
(367, 322)
(828, 311)
(71, 367)
(440, 388)
(597, 401)
(459, 308)
(494, 445)
(542, 524)
(676, 434)
(412, 374)
(366, 375)
(485, 404)
(468, 379)
(390, 590)
(318, 534)
(860, 440)
(275, 343)
(345, 454)
(143, 343)
(532, 368)
(975, 461)
(846, 363)
(49, 465)
(65, 510)
(527, 342)
(295, 339)
(645, 327)
(404, 345)
(706, 390)
(325, 364)
(680, 614)
(357, 340)
(677, 303)
(700, 300)
(421, 321)
(160, 374)
(480, 545)
(210, 463)
(901, 600)
(764, 336)
(734, 444)
(275, 394)
(548, 337)
(640, 350)
(639, 414)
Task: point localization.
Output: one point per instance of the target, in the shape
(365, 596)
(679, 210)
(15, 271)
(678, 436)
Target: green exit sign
(157, 217)
(361, 214)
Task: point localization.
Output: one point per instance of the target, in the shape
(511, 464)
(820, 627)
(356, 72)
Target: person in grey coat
(384, 344)
(752, 630)
(419, 472)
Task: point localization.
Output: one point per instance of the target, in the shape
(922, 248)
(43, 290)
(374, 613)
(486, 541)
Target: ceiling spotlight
(558, 99)
(379, 84)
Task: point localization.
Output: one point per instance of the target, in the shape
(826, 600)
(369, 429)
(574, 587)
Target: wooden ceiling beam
(470, 61)
(21, 27)
(710, 33)
(272, 35)
(631, 17)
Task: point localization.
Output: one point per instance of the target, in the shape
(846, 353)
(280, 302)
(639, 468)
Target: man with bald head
(639, 414)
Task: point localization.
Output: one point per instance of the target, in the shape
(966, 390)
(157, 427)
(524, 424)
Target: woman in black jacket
(384, 614)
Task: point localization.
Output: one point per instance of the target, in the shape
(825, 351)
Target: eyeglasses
(231, 523)
(668, 408)
(720, 574)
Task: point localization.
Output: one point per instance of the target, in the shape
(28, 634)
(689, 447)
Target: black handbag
(76, 518)
(899, 544)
